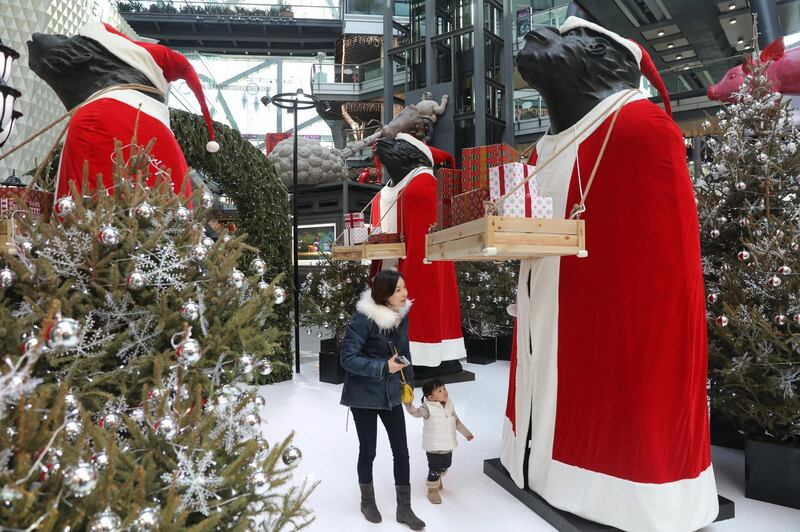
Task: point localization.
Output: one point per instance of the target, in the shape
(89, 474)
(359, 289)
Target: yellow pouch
(406, 391)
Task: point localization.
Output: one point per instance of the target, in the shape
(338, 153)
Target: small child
(438, 433)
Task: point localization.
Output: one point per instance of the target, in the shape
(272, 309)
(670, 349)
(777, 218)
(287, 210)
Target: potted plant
(747, 202)
(486, 289)
(328, 298)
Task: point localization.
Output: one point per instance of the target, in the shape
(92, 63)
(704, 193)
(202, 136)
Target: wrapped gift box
(355, 235)
(444, 212)
(503, 179)
(475, 163)
(469, 206)
(383, 238)
(37, 202)
(449, 182)
(354, 219)
(542, 207)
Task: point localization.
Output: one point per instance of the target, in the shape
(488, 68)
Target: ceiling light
(679, 57)
(686, 68)
(740, 40)
(733, 21)
(660, 33)
(670, 45)
(732, 7)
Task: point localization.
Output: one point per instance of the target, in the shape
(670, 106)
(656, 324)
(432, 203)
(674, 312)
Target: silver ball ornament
(167, 428)
(722, 321)
(291, 455)
(207, 201)
(712, 298)
(260, 401)
(198, 253)
(136, 280)
(65, 334)
(7, 277)
(190, 311)
(780, 319)
(81, 479)
(100, 460)
(236, 279)
(762, 157)
(280, 295)
(105, 521)
(741, 185)
(245, 364)
(71, 402)
(260, 482)
(252, 419)
(743, 255)
(146, 520)
(109, 236)
(73, 429)
(111, 421)
(65, 206)
(265, 368)
(258, 266)
(30, 343)
(207, 241)
(263, 285)
(706, 124)
(714, 233)
(189, 351)
(183, 215)
(144, 212)
(785, 270)
(775, 281)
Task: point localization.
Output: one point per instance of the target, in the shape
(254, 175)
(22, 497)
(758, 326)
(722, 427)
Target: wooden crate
(500, 238)
(394, 250)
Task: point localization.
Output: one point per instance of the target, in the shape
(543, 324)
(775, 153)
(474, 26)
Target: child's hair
(431, 385)
(384, 285)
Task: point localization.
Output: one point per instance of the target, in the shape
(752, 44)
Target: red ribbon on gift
(528, 206)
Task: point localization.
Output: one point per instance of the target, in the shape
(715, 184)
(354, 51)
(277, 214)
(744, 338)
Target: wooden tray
(394, 250)
(497, 238)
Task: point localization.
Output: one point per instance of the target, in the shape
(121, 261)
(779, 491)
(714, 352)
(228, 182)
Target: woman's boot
(368, 506)
(404, 512)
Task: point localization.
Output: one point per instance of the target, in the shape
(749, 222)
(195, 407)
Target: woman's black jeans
(366, 420)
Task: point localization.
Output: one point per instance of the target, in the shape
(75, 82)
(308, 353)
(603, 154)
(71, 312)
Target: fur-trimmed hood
(384, 317)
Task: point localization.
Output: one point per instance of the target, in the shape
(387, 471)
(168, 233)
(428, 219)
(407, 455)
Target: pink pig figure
(783, 72)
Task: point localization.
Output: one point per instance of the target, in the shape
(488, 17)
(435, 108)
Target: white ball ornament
(212, 146)
(198, 253)
(109, 236)
(280, 295)
(65, 334)
(183, 215)
(236, 279)
(207, 201)
(258, 266)
(105, 521)
(7, 277)
(190, 311)
(81, 479)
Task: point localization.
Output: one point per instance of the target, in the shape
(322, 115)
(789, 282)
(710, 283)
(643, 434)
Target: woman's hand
(394, 365)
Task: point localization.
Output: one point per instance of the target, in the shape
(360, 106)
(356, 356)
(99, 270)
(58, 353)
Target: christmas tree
(129, 341)
(328, 296)
(750, 215)
(486, 289)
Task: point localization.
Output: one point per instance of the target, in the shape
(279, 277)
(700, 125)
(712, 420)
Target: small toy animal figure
(81, 70)
(783, 73)
(417, 120)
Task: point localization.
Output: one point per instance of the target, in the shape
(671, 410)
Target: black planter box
(330, 370)
(481, 350)
(772, 473)
(504, 347)
(724, 434)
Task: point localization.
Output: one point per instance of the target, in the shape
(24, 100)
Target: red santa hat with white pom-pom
(160, 64)
(643, 59)
(436, 156)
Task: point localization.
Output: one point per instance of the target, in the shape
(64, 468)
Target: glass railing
(358, 76)
(375, 7)
(305, 9)
(527, 21)
(531, 110)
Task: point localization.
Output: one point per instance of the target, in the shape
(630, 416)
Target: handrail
(277, 9)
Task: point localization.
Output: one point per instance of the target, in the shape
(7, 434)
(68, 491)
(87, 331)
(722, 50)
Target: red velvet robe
(94, 128)
(609, 374)
(434, 323)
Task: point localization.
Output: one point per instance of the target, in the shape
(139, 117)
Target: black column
(388, 76)
(769, 25)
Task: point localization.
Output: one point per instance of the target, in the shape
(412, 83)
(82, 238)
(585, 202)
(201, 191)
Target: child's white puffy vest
(439, 430)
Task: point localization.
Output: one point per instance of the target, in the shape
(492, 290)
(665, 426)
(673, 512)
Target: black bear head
(575, 71)
(398, 158)
(77, 67)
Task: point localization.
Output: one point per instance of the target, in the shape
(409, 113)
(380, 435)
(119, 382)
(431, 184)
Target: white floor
(472, 501)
